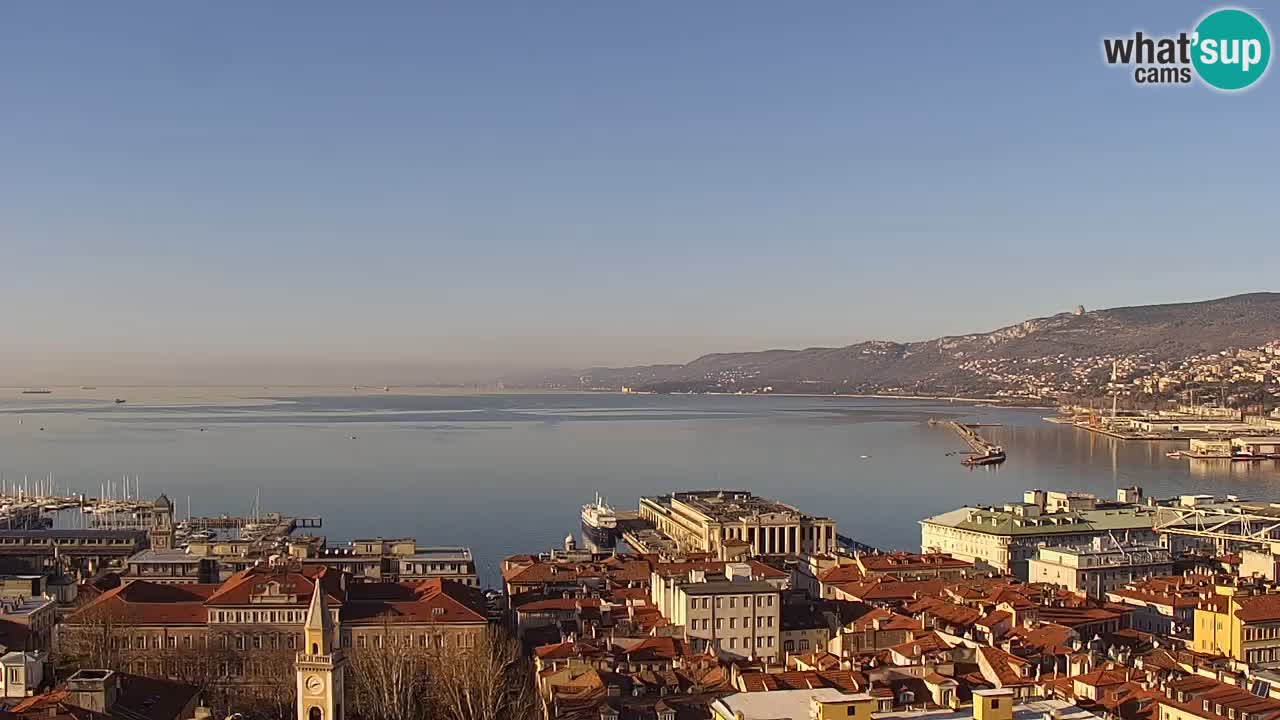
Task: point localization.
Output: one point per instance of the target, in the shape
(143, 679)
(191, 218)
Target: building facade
(1006, 538)
(735, 615)
(246, 631)
(704, 521)
(1099, 568)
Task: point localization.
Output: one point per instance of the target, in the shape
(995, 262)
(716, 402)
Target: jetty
(984, 452)
(969, 434)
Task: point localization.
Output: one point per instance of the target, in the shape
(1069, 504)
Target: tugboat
(600, 523)
(993, 456)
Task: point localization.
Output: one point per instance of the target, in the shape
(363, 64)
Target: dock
(969, 434)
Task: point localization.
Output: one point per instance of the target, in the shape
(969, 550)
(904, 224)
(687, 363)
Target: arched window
(315, 650)
(315, 713)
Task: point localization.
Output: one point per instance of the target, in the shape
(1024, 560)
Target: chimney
(94, 690)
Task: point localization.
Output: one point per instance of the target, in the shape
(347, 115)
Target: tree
(389, 677)
(488, 681)
(97, 639)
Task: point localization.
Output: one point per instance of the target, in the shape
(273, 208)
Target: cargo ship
(600, 523)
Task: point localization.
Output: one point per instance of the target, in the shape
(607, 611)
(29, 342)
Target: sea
(508, 473)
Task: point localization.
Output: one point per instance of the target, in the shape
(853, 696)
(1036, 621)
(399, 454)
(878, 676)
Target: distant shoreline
(1001, 402)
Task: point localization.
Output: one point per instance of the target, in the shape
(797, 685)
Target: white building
(446, 563)
(1099, 568)
(23, 673)
(736, 615)
(707, 520)
(1006, 538)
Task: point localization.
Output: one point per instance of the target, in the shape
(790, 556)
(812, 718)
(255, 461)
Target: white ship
(600, 523)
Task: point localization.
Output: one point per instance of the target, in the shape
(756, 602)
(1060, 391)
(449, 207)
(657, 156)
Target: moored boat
(600, 523)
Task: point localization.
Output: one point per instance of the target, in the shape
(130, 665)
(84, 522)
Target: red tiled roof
(145, 603)
(849, 681)
(653, 648)
(566, 650)
(1220, 695)
(242, 587)
(948, 612)
(887, 588)
(921, 645)
(1258, 608)
(994, 619)
(887, 621)
(1007, 667)
(1103, 677)
(911, 562)
(841, 574)
(430, 601)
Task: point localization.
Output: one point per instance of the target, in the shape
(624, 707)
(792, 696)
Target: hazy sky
(538, 183)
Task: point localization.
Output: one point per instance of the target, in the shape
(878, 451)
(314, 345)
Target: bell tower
(320, 664)
(160, 534)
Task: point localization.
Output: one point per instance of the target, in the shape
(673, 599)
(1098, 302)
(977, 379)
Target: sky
(329, 189)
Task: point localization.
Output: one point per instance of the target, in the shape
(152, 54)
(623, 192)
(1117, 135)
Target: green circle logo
(1232, 49)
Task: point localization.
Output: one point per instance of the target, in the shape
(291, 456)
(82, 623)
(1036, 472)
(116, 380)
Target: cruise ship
(600, 523)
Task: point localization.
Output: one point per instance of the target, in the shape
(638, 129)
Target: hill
(1041, 357)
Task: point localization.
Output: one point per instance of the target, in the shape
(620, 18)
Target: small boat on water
(1174, 454)
(37, 391)
(120, 401)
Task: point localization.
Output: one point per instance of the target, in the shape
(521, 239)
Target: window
(171, 642)
(733, 623)
(732, 602)
(995, 703)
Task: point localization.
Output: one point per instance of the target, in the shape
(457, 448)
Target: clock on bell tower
(320, 666)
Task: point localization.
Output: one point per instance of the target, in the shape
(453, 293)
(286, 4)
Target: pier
(969, 434)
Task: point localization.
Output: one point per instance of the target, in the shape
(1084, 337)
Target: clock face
(315, 684)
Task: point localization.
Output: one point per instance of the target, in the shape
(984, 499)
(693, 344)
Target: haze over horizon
(249, 194)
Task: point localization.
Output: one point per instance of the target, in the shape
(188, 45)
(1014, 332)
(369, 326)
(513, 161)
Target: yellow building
(1244, 627)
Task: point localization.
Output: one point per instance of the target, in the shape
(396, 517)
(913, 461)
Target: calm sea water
(508, 473)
